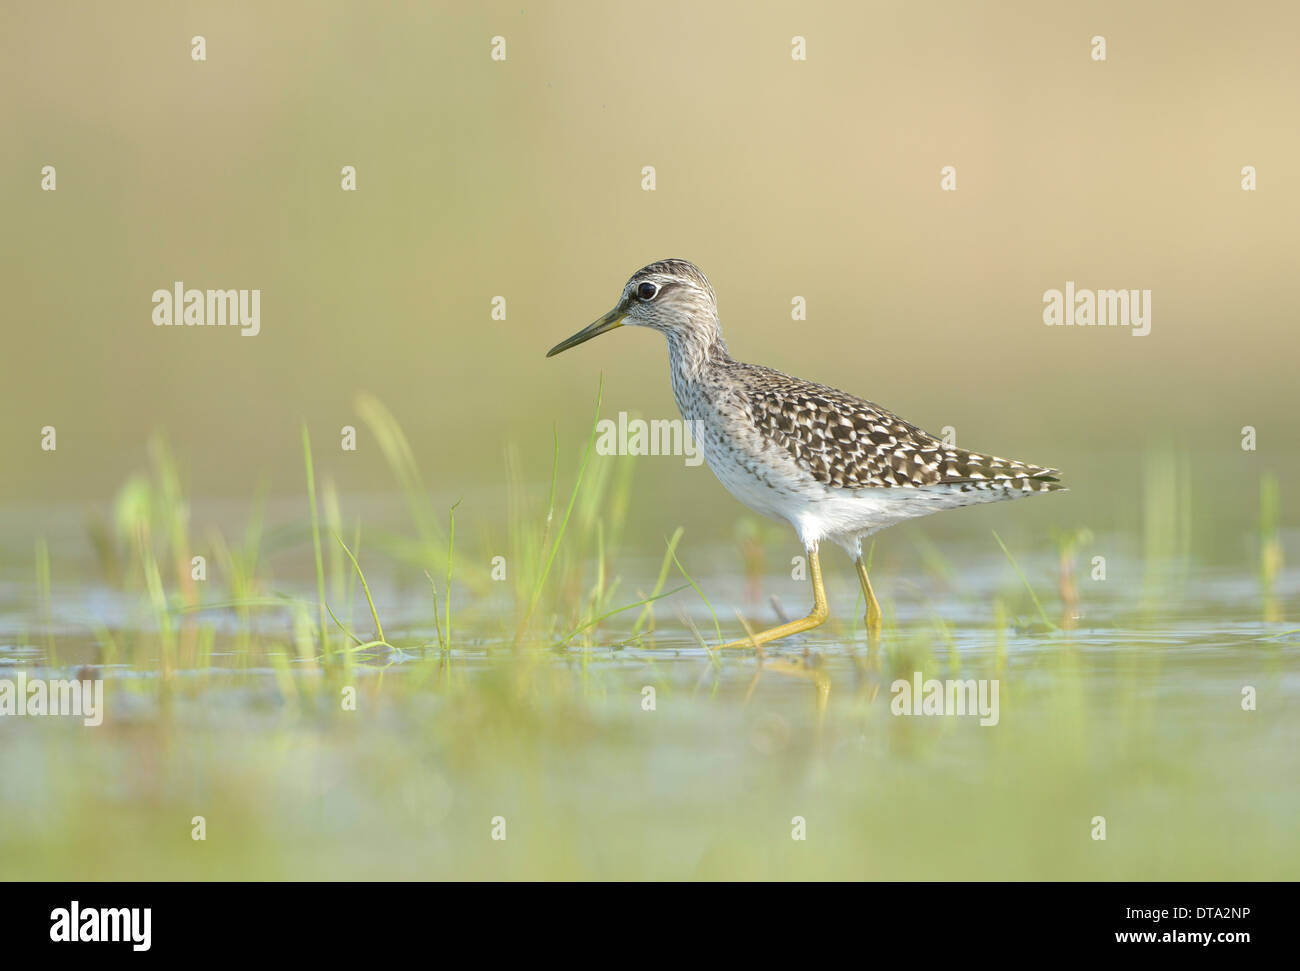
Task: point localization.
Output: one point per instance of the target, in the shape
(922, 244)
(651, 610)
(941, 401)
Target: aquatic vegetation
(405, 684)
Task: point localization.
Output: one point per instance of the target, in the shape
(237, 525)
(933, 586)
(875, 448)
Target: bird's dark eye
(647, 291)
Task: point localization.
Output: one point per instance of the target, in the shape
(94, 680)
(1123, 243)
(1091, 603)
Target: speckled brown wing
(848, 443)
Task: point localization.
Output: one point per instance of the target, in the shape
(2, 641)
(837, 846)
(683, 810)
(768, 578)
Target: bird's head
(672, 296)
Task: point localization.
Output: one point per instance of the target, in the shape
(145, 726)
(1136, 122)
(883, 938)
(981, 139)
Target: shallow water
(1135, 715)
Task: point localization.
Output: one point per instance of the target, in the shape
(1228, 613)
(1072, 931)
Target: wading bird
(835, 467)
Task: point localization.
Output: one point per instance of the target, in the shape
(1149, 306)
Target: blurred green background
(522, 179)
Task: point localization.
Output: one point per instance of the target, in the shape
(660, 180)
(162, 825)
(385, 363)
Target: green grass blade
(365, 587)
(315, 539)
(564, 523)
(592, 623)
(1033, 596)
(664, 567)
(717, 628)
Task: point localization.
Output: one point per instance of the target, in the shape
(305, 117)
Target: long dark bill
(611, 320)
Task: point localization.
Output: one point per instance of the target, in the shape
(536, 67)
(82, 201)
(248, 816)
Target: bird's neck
(692, 351)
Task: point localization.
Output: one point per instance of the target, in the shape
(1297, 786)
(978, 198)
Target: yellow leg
(818, 615)
(874, 619)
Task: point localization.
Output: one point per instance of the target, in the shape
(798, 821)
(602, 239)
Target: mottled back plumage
(849, 443)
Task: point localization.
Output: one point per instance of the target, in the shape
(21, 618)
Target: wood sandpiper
(832, 465)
